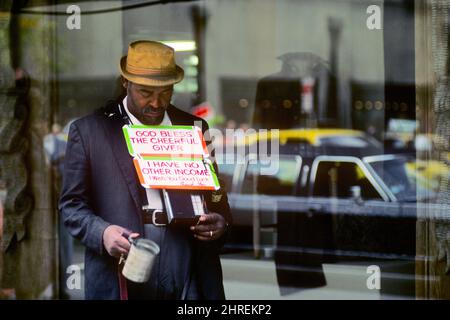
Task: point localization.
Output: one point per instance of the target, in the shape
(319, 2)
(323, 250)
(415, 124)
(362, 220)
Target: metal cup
(140, 259)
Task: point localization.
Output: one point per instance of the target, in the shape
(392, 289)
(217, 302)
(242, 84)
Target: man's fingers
(125, 233)
(115, 240)
(208, 222)
(134, 235)
(117, 252)
(209, 218)
(203, 238)
(206, 234)
(123, 243)
(203, 228)
(209, 235)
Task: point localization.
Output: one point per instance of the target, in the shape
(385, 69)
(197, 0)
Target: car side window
(336, 179)
(282, 183)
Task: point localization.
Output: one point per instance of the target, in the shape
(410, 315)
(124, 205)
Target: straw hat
(150, 63)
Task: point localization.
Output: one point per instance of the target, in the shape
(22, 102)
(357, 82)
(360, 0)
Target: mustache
(153, 110)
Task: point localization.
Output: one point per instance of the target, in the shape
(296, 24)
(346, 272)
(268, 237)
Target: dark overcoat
(101, 187)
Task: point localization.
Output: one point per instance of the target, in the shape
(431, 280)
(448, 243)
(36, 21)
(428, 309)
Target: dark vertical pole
(333, 96)
(400, 91)
(199, 19)
(399, 59)
(334, 28)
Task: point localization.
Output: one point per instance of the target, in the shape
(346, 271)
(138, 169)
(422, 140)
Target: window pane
(336, 179)
(281, 183)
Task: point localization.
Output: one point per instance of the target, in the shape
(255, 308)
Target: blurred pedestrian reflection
(297, 96)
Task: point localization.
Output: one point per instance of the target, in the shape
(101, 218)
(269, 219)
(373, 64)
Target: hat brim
(154, 81)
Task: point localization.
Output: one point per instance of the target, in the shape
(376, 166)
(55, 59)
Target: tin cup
(140, 259)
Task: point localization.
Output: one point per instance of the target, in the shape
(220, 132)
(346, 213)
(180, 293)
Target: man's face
(147, 103)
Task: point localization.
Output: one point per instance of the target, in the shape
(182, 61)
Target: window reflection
(282, 183)
(337, 178)
(394, 174)
(345, 97)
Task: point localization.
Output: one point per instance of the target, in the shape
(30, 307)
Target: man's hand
(115, 240)
(211, 226)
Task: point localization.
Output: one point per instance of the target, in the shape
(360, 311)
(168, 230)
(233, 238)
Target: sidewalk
(246, 278)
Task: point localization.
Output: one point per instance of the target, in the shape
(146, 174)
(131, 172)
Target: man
(102, 200)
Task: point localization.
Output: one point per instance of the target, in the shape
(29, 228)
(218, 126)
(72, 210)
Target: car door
(254, 201)
(367, 227)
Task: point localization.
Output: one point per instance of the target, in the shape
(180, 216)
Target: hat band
(143, 71)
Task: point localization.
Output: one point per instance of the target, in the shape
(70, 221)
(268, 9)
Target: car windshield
(400, 179)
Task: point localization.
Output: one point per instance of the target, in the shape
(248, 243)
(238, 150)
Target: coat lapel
(178, 118)
(113, 126)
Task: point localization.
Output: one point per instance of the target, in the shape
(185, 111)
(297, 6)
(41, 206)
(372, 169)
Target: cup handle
(127, 234)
